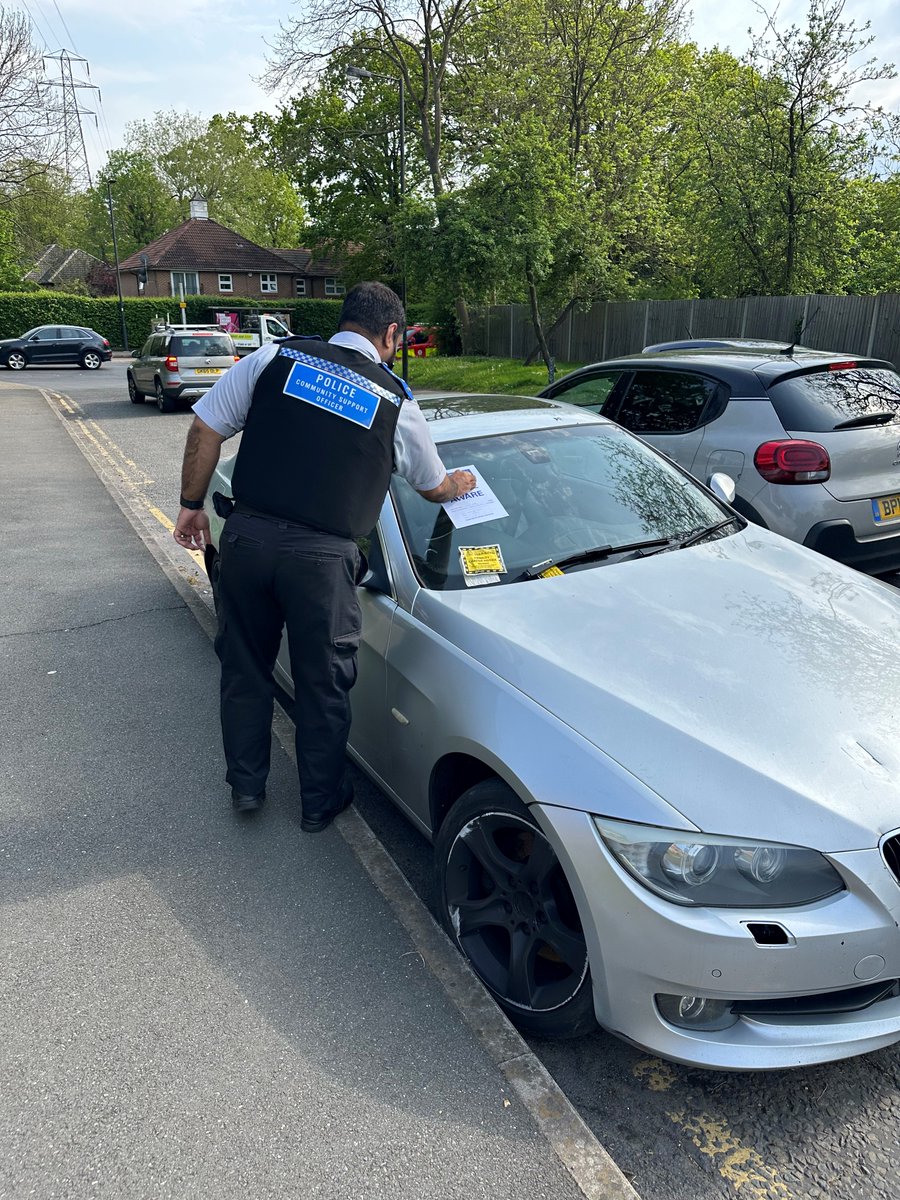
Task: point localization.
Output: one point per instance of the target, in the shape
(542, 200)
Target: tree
(144, 208)
(568, 100)
(780, 137)
(27, 125)
(418, 47)
(189, 155)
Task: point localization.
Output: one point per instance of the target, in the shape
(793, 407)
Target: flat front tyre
(91, 360)
(134, 395)
(164, 403)
(506, 903)
(17, 361)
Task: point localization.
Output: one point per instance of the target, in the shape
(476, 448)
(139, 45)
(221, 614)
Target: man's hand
(457, 483)
(192, 529)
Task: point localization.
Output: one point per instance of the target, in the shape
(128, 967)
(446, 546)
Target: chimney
(199, 208)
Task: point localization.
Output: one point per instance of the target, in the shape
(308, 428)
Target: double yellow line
(114, 459)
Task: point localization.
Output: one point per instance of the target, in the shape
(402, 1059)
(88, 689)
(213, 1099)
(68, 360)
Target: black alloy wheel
(164, 403)
(91, 360)
(134, 395)
(16, 360)
(505, 901)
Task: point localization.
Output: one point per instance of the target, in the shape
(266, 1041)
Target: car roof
(746, 369)
(453, 417)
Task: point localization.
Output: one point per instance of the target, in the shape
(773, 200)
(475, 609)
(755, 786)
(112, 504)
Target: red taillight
(792, 461)
(171, 363)
(847, 366)
(236, 359)
(105, 344)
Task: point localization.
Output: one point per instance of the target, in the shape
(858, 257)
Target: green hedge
(20, 311)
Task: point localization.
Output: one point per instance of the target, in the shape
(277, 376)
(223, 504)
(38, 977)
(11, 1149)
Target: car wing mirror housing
(376, 579)
(722, 485)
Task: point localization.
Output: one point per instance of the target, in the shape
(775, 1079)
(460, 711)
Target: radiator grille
(891, 851)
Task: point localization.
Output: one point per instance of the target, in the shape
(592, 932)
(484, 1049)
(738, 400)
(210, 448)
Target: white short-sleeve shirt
(225, 406)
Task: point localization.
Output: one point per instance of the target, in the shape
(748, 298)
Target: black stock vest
(318, 444)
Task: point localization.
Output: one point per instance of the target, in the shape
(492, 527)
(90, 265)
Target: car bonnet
(748, 681)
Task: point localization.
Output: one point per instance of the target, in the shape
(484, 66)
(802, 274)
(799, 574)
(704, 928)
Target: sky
(207, 55)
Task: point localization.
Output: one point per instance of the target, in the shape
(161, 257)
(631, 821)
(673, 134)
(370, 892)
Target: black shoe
(243, 803)
(322, 820)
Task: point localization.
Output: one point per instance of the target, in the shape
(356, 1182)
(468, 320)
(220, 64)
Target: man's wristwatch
(194, 504)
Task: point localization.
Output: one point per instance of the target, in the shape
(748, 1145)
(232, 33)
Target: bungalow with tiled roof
(202, 257)
(58, 267)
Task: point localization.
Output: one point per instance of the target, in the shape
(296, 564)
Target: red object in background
(421, 340)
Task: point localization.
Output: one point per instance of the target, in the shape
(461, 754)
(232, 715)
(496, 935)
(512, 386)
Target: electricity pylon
(75, 159)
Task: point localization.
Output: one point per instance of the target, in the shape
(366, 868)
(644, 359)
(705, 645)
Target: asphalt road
(680, 1134)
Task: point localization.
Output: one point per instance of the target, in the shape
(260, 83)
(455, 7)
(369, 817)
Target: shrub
(20, 311)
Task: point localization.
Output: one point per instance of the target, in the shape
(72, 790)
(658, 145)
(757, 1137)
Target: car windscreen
(837, 399)
(561, 492)
(200, 346)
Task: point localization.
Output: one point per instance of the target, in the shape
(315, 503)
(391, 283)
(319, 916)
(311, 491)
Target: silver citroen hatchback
(812, 440)
(179, 363)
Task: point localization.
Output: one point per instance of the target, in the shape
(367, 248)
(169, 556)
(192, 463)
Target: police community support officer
(325, 424)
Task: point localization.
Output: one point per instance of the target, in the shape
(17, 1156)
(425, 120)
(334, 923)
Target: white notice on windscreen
(474, 507)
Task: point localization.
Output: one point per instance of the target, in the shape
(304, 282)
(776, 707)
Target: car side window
(591, 392)
(70, 333)
(665, 402)
(50, 333)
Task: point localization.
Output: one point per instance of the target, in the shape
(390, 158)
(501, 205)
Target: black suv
(55, 346)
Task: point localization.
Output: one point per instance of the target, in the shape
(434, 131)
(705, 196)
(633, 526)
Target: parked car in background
(811, 439)
(655, 747)
(178, 363)
(55, 346)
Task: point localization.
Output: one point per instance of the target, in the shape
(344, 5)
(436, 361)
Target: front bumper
(641, 946)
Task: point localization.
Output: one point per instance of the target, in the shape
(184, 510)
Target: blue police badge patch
(334, 388)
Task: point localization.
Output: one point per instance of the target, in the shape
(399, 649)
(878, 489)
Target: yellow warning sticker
(482, 560)
(550, 572)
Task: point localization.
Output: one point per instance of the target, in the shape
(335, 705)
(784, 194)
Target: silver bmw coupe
(657, 749)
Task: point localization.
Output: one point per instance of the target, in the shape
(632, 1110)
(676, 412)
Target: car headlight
(719, 872)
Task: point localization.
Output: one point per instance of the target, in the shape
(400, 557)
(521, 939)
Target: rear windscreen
(200, 347)
(827, 400)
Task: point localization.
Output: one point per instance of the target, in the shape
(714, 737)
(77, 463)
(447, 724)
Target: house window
(187, 280)
(225, 284)
(268, 283)
(300, 286)
(334, 287)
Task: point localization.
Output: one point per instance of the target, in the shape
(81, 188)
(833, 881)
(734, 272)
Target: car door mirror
(376, 578)
(722, 485)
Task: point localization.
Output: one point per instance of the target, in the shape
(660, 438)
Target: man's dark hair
(372, 307)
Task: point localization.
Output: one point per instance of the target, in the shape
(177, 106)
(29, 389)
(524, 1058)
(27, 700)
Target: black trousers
(276, 574)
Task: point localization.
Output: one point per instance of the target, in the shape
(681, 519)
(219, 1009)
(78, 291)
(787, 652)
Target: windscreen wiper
(876, 418)
(594, 554)
(707, 532)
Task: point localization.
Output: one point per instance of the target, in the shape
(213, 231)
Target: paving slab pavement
(194, 1005)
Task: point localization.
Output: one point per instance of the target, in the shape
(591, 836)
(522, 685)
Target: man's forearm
(201, 453)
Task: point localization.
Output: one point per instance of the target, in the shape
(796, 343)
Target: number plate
(207, 370)
(886, 508)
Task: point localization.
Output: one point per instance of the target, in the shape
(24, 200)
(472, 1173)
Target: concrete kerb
(585, 1159)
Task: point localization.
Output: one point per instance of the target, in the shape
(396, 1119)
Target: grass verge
(499, 375)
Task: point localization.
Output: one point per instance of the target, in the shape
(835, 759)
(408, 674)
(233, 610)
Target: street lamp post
(362, 73)
(112, 221)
